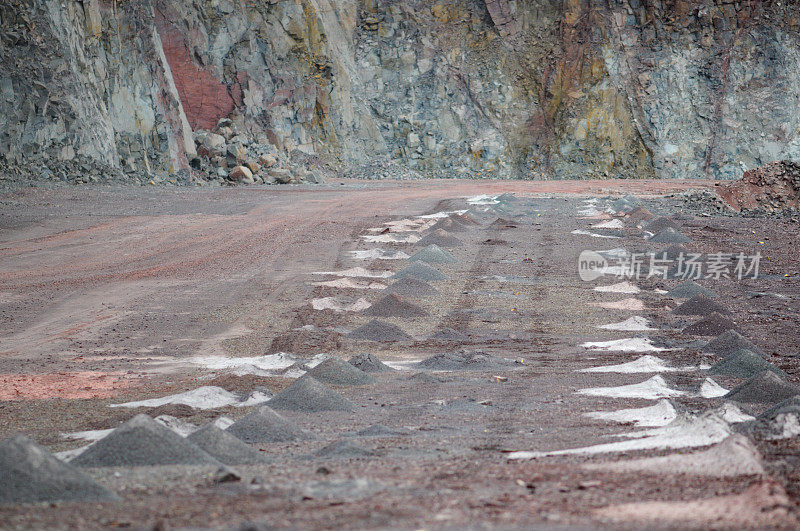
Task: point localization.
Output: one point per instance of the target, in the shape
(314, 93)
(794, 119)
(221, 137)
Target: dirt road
(113, 295)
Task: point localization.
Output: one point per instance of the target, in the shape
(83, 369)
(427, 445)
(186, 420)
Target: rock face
(444, 87)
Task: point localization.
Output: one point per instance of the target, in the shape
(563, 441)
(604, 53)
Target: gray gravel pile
(344, 449)
(466, 219)
(700, 305)
(729, 342)
(336, 371)
(382, 331)
(224, 446)
(441, 238)
(420, 271)
(660, 223)
(712, 325)
(394, 305)
(778, 422)
(143, 442)
(670, 235)
(30, 474)
(369, 363)
(411, 287)
(308, 395)
(449, 224)
(744, 364)
(264, 425)
(763, 388)
(689, 289)
(464, 360)
(502, 224)
(433, 254)
(640, 214)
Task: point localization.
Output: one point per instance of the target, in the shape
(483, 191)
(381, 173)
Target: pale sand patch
(582, 232)
(643, 364)
(631, 324)
(338, 305)
(711, 389)
(205, 397)
(660, 414)
(735, 456)
(349, 283)
(391, 238)
(357, 272)
(688, 431)
(374, 254)
(652, 389)
(610, 224)
(631, 304)
(630, 344)
(619, 287)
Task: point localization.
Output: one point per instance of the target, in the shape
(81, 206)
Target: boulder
(241, 174)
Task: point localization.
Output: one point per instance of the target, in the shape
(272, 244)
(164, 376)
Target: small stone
(254, 167)
(412, 140)
(226, 474)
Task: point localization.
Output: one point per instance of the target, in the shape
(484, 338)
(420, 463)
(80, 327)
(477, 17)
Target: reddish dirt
(774, 186)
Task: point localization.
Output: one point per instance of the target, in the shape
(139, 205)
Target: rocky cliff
(285, 90)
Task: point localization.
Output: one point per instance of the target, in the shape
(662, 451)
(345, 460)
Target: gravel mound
(449, 334)
(224, 446)
(143, 442)
(763, 388)
(441, 238)
(640, 213)
(744, 364)
(778, 422)
(699, 305)
(660, 223)
(507, 198)
(379, 430)
(394, 306)
(790, 405)
(730, 342)
(712, 325)
(31, 474)
(670, 235)
(369, 363)
(420, 271)
(433, 254)
(450, 225)
(466, 219)
(673, 252)
(464, 360)
(425, 378)
(344, 449)
(376, 330)
(411, 287)
(689, 289)
(502, 224)
(308, 395)
(336, 371)
(266, 426)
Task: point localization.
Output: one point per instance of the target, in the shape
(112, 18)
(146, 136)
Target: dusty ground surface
(106, 293)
